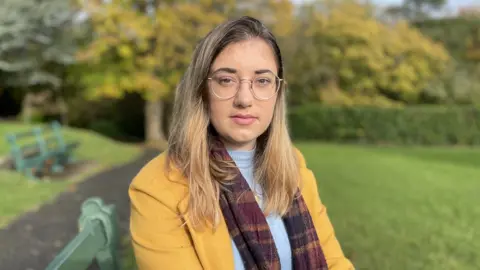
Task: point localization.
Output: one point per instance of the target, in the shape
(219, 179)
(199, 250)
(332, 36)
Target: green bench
(97, 240)
(40, 150)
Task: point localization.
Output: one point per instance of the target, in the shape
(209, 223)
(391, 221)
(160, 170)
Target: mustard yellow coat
(160, 242)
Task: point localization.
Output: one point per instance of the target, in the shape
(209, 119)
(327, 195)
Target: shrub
(419, 125)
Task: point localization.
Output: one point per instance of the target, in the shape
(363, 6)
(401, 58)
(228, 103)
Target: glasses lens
(224, 85)
(265, 85)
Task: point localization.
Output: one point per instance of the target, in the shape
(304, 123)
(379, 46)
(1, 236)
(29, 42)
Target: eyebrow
(232, 70)
(226, 69)
(263, 71)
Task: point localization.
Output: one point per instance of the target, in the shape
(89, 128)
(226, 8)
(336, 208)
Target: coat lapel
(213, 248)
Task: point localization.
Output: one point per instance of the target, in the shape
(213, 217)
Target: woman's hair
(276, 163)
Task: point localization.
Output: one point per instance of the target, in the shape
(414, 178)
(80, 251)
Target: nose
(244, 97)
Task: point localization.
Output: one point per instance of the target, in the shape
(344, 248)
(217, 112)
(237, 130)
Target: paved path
(31, 241)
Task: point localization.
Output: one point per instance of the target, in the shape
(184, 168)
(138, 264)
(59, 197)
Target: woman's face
(241, 119)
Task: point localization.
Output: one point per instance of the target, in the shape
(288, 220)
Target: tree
(372, 63)
(420, 9)
(456, 34)
(461, 37)
(473, 46)
(144, 47)
(35, 40)
(415, 10)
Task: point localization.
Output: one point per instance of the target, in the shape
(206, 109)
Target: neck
(234, 146)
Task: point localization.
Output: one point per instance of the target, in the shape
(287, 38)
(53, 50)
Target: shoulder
(300, 158)
(155, 181)
(308, 181)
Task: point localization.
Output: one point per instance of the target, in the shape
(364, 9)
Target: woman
(231, 191)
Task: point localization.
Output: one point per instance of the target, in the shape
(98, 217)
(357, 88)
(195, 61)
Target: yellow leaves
(127, 83)
(367, 55)
(346, 73)
(102, 91)
(148, 62)
(284, 22)
(149, 52)
(124, 51)
(109, 88)
(333, 95)
(349, 21)
(473, 46)
(110, 91)
(144, 52)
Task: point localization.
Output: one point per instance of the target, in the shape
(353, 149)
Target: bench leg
(57, 168)
(30, 174)
(66, 158)
(70, 159)
(107, 260)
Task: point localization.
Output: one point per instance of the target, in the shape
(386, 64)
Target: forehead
(246, 57)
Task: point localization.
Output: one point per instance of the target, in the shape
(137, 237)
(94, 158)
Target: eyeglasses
(263, 86)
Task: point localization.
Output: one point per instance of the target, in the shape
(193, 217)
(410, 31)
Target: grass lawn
(401, 208)
(18, 195)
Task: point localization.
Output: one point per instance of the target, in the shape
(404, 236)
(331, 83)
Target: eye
(263, 81)
(225, 80)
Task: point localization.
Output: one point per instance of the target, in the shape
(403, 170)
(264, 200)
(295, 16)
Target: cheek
(267, 109)
(218, 111)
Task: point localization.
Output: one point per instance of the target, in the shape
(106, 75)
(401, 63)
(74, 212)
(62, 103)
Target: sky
(451, 2)
(453, 5)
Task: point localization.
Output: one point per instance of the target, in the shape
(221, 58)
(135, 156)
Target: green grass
(401, 208)
(127, 256)
(18, 195)
(398, 207)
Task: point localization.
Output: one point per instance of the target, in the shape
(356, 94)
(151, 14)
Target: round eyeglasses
(263, 86)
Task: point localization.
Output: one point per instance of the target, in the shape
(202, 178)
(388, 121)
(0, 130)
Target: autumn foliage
(367, 61)
(336, 52)
(142, 48)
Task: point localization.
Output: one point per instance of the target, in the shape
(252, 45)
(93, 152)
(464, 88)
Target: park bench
(97, 240)
(40, 150)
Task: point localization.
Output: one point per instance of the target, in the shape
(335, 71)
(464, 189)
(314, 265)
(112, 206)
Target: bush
(106, 128)
(419, 125)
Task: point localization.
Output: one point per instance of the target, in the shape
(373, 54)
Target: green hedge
(426, 125)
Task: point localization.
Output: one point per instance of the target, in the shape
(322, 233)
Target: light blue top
(244, 161)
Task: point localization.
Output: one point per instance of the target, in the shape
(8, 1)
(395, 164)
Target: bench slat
(29, 148)
(24, 134)
(82, 250)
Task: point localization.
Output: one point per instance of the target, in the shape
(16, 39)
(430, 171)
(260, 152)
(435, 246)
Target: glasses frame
(280, 83)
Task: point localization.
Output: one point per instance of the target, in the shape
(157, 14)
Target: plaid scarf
(249, 229)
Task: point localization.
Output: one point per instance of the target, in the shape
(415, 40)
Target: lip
(243, 116)
(243, 119)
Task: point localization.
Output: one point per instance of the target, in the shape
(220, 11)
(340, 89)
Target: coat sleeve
(334, 255)
(158, 238)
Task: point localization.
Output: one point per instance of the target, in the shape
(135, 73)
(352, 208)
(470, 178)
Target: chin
(241, 139)
(244, 135)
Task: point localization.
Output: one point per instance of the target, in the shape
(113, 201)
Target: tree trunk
(153, 122)
(27, 108)
(63, 110)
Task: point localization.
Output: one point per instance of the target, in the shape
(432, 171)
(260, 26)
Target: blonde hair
(276, 163)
